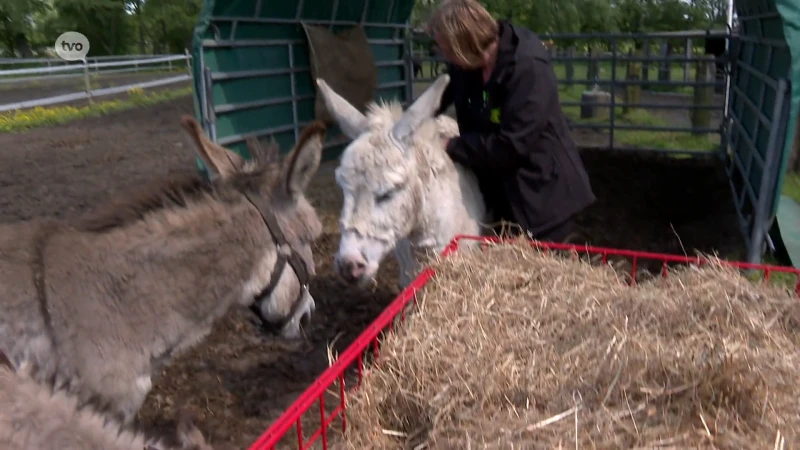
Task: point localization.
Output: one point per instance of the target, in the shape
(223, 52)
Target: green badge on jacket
(494, 115)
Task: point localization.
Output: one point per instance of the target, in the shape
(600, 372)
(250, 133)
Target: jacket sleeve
(530, 92)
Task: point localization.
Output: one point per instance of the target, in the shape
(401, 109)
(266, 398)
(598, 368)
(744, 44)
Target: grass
(26, 119)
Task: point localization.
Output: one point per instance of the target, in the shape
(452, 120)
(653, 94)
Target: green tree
(170, 23)
(105, 23)
(17, 24)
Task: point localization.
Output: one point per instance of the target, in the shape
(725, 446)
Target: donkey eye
(384, 197)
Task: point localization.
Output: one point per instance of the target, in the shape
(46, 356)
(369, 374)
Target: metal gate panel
(758, 115)
(253, 76)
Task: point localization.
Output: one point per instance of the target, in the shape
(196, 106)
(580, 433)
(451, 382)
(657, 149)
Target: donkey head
(380, 175)
(275, 189)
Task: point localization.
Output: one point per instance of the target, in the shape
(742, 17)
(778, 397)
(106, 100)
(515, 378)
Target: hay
(512, 348)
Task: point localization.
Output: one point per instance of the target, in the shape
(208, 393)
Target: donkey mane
(179, 189)
(176, 190)
(383, 113)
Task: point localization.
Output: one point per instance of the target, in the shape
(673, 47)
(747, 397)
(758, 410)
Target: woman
(513, 134)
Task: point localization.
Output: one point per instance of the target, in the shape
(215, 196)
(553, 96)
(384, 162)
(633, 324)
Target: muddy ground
(238, 381)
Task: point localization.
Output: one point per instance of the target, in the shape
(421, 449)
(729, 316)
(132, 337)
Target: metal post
(188, 61)
(293, 83)
(761, 96)
(729, 63)
(334, 9)
(409, 65)
(391, 10)
(202, 92)
(86, 82)
(772, 160)
(211, 116)
(612, 90)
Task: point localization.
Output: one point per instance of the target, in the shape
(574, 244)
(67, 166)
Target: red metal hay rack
(385, 321)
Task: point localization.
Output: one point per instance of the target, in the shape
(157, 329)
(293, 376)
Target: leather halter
(292, 257)
(42, 238)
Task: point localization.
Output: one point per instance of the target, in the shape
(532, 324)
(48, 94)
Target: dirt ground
(238, 381)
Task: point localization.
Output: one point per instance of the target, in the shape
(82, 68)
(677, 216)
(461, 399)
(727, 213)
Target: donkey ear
(302, 163)
(217, 158)
(350, 119)
(423, 108)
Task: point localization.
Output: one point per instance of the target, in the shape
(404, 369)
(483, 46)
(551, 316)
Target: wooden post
(664, 66)
(87, 82)
(188, 61)
(688, 54)
(646, 65)
(703, 95)
(633, 92)
(592, 69)
(569, 66)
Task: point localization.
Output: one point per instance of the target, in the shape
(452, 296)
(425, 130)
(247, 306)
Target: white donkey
(400, 188)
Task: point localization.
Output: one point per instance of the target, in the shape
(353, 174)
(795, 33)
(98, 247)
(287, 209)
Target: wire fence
(49, 82)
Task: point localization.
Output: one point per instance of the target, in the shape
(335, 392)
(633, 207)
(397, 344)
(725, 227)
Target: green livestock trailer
(253, 67)
(254, 62)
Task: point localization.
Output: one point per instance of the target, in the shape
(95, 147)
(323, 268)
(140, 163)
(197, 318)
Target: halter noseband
(292, 257)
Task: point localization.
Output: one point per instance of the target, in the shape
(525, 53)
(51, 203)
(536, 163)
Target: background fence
(663, 92)
(31, 82)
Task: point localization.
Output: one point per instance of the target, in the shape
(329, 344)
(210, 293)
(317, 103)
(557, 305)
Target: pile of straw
(512, 348)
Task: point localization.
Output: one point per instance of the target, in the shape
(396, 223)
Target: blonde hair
(467, 27)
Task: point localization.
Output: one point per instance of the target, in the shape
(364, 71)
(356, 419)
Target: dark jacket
(515, 137)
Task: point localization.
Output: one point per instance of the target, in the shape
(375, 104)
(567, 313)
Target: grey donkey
(104, 302)
(37, 416)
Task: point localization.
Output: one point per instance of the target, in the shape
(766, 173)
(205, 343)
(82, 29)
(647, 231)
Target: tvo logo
(72, 46)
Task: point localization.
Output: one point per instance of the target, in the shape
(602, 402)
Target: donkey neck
(161, 281)
(450, 201)
(210, 247)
